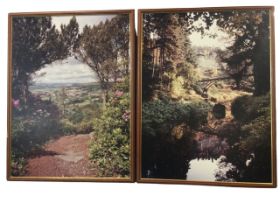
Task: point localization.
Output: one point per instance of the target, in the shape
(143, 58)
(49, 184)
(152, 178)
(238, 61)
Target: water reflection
(209, 169)
(209, 158)
(205, 157)
(203, 170)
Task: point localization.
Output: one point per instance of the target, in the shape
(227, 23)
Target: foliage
(104, 47)
(78, 120)
(166, 53)
(250, 30)
(168, 58)
(250, 148)
(32, 128)
(110, 147)
(36, 43)
(163, 115)
(253, 107)
(188, 73)
(70, 128)
(167, 136)
(78, 109)
(18, 165)
(70, 36)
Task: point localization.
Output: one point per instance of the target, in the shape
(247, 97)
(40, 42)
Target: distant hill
(60, 85)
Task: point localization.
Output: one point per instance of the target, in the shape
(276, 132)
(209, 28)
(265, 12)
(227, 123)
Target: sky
(66, 71)
(221, 41)
(70, 70)
(81, 19)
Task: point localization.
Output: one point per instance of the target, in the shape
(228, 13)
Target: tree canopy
(104, 47)
(249, 30)
(36, 43)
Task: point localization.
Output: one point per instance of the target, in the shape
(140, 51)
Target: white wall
(50, 195)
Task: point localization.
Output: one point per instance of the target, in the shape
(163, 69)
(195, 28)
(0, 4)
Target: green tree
(36, 43)
(166, 52)
(250, 32)
(104, 47)
(69, 36)
(159, 50)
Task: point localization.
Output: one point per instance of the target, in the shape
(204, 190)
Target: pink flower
(126, 115)
(118, 93)
(16, 103)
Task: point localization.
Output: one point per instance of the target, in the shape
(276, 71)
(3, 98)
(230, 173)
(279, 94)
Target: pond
(202, 170)
(206, 170)
(208, 159)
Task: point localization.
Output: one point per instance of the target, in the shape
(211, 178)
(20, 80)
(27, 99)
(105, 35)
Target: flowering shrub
(110, 146)
(16, 103)
(31, 127)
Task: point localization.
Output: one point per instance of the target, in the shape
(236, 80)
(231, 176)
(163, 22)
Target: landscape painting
(207, 101)
(71, 96)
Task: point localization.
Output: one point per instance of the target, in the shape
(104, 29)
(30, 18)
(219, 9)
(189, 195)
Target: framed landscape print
(206, 96)
(71, 96)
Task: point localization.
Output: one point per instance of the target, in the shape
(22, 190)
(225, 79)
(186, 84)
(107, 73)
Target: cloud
(69, 70)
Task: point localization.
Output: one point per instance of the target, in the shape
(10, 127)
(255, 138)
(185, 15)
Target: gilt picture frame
(206, 110)
(71, 96)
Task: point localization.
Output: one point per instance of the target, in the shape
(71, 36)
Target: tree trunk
(262, 59)
(104, 94)
(25, 91)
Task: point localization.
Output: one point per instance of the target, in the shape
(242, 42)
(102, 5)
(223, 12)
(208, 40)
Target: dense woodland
(227, 106)
(101, 109)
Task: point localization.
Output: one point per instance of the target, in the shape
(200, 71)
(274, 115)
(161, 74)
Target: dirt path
(66, 156)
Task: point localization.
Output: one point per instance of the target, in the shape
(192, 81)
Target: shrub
(110, 147)
(76, 116)
(252, 106)
(160, 116)
(78, 119)
(84, 127)
(167, 136)
(252, 139)
(67, 127)
(18, 165)
(32, 126)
